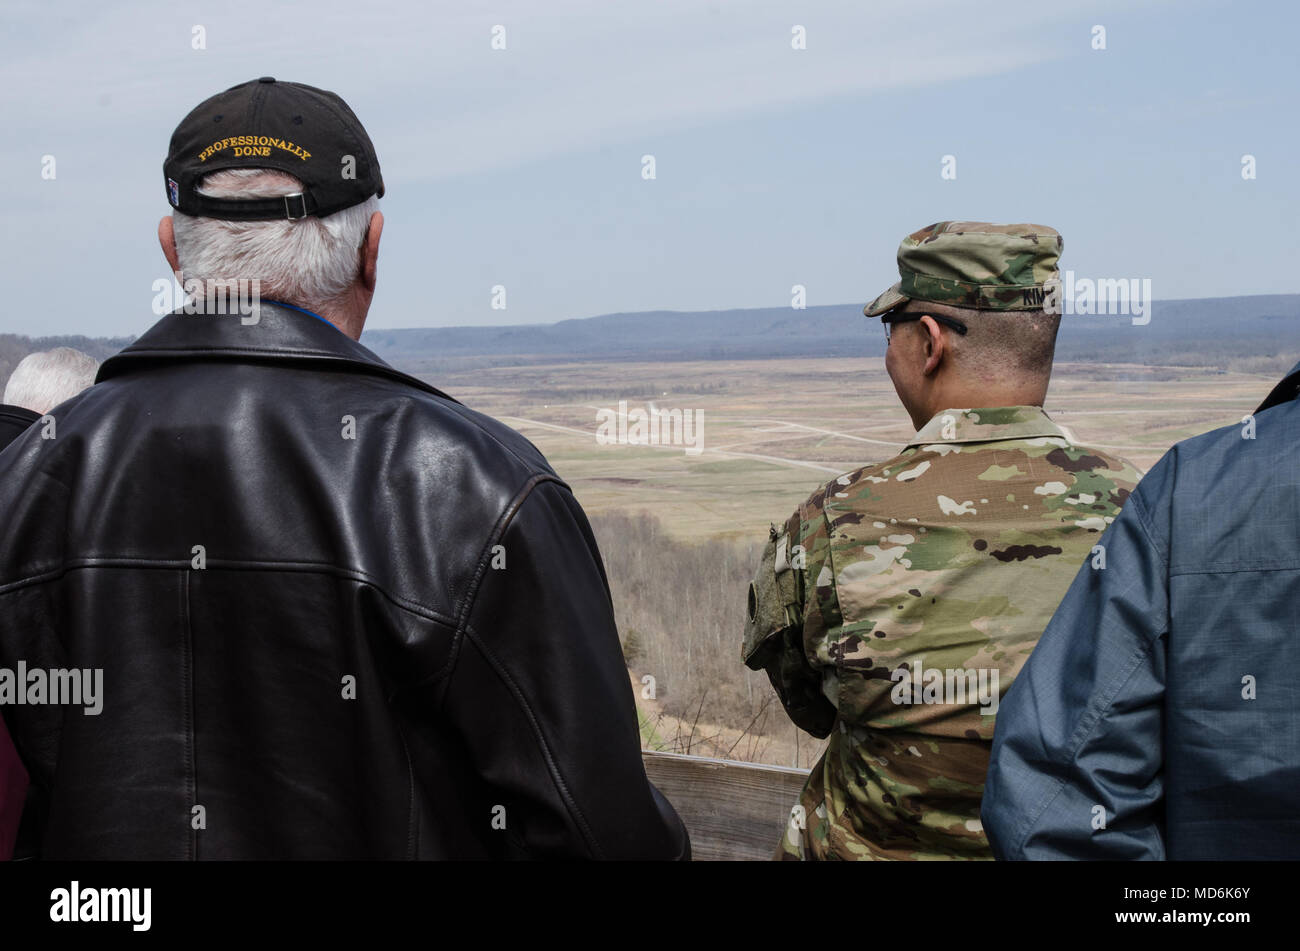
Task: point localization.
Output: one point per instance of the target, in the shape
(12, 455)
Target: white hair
(42, 381)
(308, 261)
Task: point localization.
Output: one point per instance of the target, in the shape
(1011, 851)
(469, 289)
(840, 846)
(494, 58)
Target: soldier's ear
(934, 344)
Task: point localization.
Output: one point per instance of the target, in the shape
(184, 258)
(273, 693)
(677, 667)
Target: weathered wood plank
(734, 811)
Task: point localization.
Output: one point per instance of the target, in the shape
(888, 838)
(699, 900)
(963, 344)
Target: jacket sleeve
(774, 639)
(1075, 770)
(542, 698)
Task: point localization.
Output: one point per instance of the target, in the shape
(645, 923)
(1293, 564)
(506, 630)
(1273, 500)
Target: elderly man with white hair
(43, 380)
(40, 382)
(337, 613)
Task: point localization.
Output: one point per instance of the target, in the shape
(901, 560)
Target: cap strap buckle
(297, 202)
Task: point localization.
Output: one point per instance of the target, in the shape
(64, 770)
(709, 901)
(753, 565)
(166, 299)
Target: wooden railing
(733, 810)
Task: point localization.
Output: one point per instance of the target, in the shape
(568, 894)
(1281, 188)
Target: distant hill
(1205, 332)
(1261, 332)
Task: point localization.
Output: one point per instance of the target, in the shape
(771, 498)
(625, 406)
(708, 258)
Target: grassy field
(773, 431)
(681, 532)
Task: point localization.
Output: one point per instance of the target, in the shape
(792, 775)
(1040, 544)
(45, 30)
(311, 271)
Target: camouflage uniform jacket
(898, 604)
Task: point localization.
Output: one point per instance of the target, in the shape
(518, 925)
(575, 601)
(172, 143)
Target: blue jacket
(1159, 715)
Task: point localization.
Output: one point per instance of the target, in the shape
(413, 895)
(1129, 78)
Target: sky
(774, 166)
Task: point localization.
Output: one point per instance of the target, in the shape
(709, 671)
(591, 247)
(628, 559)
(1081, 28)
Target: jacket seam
(191, 771)
(833, 632)
(412, 816)
(271, 354)
(464, 630)
(1251, 568)
(498, 530)
(1016, 437)
(551, 765)
(124, 362)
(301, 567)
(1053, 793)
(463, 611)
(20, 417)
(1135, 500)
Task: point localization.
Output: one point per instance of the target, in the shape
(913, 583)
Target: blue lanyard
(300, 310)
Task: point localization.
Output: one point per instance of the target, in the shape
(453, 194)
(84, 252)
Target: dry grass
(680, 610)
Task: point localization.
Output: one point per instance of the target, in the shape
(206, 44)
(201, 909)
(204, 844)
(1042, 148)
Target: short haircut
(308, 261)
(1018, 343)
(43, 380)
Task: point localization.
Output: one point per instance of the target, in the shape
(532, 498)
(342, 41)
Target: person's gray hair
(308, 262)
(43, 380)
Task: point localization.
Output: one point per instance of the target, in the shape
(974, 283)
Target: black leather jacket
(14, 420)
(398, 645)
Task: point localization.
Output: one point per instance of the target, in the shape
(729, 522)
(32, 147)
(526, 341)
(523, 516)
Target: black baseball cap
(308, 132)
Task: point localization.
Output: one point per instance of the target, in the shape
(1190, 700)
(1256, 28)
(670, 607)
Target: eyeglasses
(952, 322)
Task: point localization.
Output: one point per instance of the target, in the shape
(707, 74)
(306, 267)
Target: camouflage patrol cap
(974, 264)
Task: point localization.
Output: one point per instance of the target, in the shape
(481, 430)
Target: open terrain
(773, 430)
(681, 532)
(781, 401)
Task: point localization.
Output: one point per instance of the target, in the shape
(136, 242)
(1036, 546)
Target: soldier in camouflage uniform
(899, 602)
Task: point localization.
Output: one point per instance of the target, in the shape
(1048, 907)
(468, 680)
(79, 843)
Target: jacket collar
(19, 414)
(1284, 392)
(273, 332)
(988, 424)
